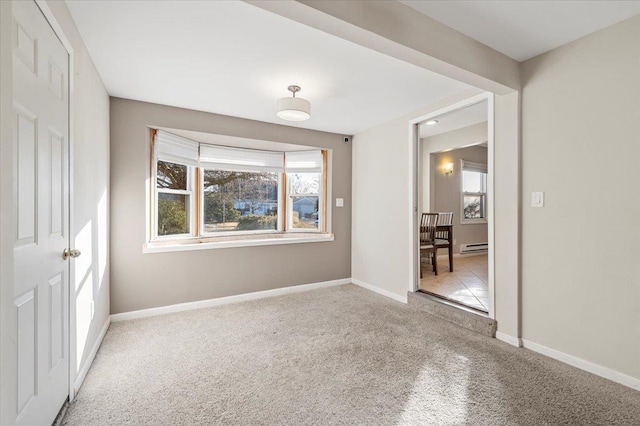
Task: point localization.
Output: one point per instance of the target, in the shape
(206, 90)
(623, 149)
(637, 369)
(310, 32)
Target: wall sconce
(447, 168)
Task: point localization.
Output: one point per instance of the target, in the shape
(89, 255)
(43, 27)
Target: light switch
(537, 199)
(339, 202)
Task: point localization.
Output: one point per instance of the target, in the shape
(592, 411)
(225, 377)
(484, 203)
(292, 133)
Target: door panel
(41, 196)
(57, 181)
(56, 321)
(26, 165)
(27, 368)
(26, 48)
(56, 80)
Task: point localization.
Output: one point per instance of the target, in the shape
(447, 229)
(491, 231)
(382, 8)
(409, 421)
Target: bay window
(203, 191)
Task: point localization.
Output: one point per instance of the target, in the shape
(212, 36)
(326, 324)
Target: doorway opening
(454, 217)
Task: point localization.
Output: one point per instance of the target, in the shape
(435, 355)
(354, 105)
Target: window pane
(171, 175)
(304, 183)
(305, 211)
(473, 206)
(474, 181)
(173, 214)
(304, 191)
(240, 201)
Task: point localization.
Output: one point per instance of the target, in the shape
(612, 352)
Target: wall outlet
(339, 202)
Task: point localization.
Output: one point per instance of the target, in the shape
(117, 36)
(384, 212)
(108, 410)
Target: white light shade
(294, 109)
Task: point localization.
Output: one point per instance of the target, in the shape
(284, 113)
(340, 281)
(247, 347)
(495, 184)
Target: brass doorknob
(67, 253)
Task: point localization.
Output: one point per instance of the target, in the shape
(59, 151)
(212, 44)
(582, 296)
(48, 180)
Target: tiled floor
(467, 284)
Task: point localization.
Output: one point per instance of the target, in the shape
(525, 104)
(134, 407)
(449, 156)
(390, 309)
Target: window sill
(474, 222)
(234, 241)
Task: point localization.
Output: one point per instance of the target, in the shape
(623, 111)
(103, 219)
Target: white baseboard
(514, 341)
(459, 255)
(143, 313)
(82, 372)
(582, 364)
(402, 299)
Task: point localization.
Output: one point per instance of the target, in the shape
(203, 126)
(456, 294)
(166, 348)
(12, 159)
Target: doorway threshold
(463, 316)
(454, 303)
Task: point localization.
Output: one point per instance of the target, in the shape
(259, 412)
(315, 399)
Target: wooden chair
(443, 237)
(428, 224)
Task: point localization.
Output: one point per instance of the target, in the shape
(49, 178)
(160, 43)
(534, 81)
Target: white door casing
(41, 205)
(416, 195)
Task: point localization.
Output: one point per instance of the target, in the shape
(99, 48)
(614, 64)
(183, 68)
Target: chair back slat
(444, 218)
(428, 224)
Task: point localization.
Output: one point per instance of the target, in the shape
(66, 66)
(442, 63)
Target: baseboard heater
(473, 248)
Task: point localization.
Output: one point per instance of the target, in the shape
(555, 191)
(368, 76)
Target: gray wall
(581, 145)
(447, 192)
(383, 233)
(454, 139)
(140, 281)
(90, 291)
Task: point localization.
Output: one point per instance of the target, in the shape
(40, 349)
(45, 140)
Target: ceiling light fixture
(294, 109)
(431, 122)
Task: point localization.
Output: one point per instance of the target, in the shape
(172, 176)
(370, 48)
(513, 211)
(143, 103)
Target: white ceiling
(524, 29)
(458, 119)
(236, 59)
(229, 57)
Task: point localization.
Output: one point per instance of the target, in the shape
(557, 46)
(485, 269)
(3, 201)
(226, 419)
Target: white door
(41, 200)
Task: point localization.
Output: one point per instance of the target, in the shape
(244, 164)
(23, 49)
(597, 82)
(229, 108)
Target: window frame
(191, 205)
(289, 202)
(195, 194)
(204, 234)
(478, 168)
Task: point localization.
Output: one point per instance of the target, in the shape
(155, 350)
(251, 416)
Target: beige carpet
(340, 355)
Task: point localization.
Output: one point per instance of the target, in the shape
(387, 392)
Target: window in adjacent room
(474, 192)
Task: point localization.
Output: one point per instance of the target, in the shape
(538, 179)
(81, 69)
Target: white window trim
(262, 240)
(186, 242)
(290, 196)
(189, 191)
(477, 167)
(204, 235)
(477, 221)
